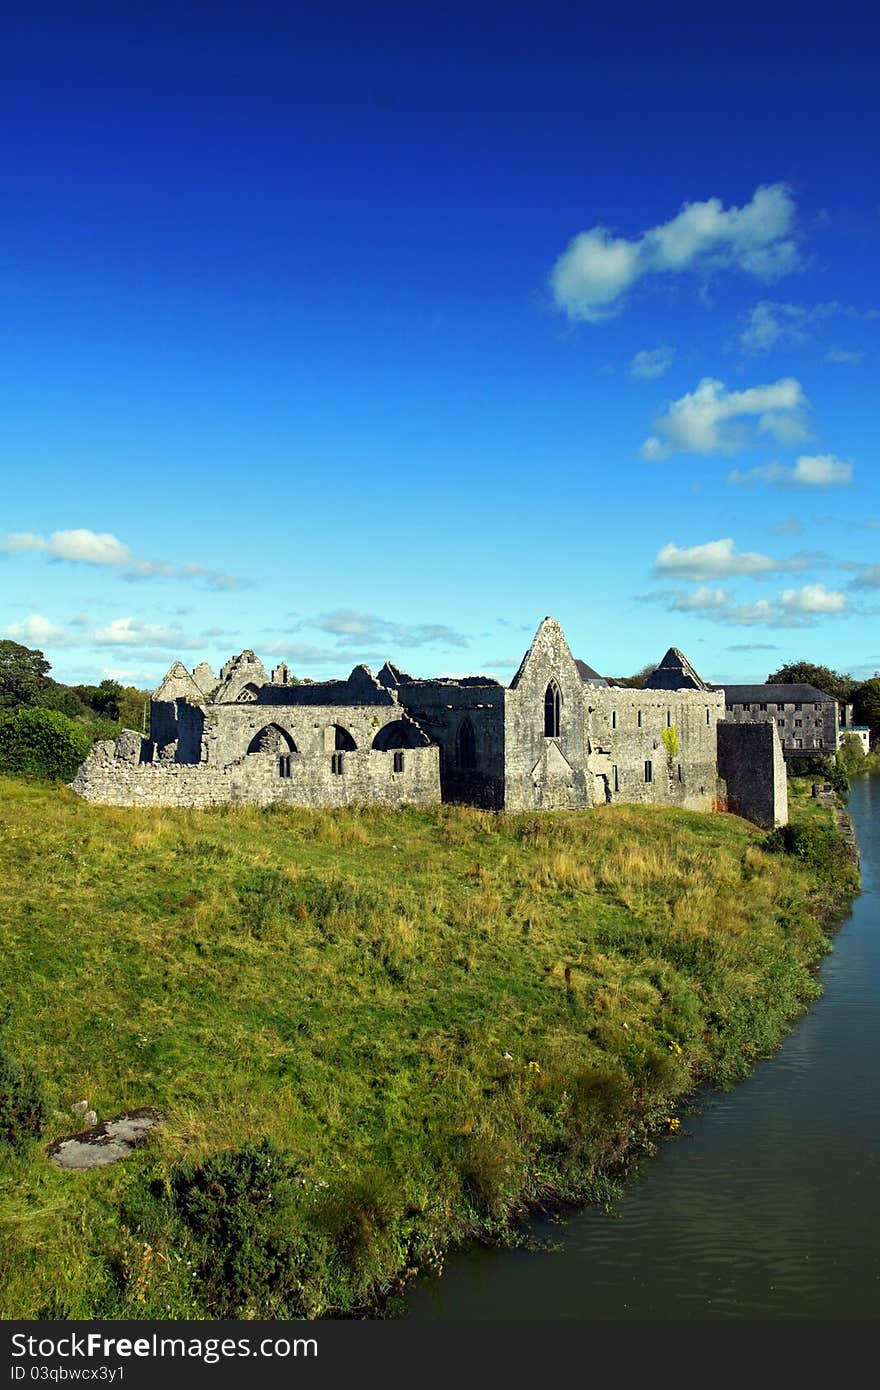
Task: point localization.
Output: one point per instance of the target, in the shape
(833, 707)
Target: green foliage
(41, 743)
(670, 743)
(22, 675)
(819, 847)
(835, 683)
(240, 1205)
(22, 1103)
(866, 706)
(445, 1015)
(852, 754)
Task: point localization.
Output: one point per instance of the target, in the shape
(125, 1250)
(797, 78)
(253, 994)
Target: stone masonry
(559, 737)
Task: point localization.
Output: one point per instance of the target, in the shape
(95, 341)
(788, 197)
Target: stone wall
(751, 761)
(366, 777)
(441, 708)
(545, 772)
(628, 759)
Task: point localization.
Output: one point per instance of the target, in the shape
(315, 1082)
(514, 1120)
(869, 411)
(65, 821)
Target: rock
(90, 1118)
(80, 1107)
(105, 1143)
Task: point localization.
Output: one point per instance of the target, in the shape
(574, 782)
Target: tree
(637, 680)
(41, 743)
(835, 683)
(866, 705)
(22, 675)
(851, 753)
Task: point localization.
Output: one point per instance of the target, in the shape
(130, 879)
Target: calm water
(769, 1207)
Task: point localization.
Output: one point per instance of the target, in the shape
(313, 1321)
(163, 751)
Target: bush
(22, 1103)
(41, 743)
(240, 1204)
(823, 850)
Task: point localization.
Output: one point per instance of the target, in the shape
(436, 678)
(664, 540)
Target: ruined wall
(440, 708)
(627, 757)
(230, 729)
(366, 777)
(541, 772)
(751, 761)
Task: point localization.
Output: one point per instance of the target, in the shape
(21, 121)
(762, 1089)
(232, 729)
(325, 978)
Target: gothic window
(552, 710)
(342, 740)
(336, 763)
(466, 745)
(246, 695)
(398, 760)
(272, 739)
(284, 765)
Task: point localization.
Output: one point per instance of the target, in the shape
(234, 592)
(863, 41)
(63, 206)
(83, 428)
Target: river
(768, 1203)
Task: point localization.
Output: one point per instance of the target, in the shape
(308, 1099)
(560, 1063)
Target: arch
(466, 745)
(398, 734)
(342, 739)
(552, 710)
(272, 739)
(247, 693)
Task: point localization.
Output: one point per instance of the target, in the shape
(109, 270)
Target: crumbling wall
(440, 708)
(393, 778)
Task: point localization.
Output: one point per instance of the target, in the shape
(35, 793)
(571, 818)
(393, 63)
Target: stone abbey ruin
(559, 737)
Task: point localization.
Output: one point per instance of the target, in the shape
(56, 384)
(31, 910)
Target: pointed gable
(674, 672)
(549, 652)
(178, 684)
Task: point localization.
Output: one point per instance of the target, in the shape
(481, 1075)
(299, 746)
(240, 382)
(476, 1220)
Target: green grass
(382, 997)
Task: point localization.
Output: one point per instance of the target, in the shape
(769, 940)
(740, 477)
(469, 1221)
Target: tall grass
(436, 1018)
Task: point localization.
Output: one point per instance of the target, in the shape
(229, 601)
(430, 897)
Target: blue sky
(362, 332)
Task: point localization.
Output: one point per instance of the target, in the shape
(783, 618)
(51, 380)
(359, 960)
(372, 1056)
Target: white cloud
(810, 470)
(841, 355)
(37, 631)
(350, 626)
(597, 267)
(720, 560)
(868, 579)
(130, 632)
(770, 323)
(651, 362)
(80, 546)
(700, 600)
(86, 547)
(709, 420)
(813, 598)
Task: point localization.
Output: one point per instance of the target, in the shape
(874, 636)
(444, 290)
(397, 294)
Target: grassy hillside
(434, 1019)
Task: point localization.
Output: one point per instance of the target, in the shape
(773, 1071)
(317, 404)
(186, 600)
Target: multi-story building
(808, 720)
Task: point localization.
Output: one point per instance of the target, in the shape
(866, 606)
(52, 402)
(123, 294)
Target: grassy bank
(434, 1020)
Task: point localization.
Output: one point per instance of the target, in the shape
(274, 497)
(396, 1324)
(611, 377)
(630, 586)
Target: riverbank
(436, 1021)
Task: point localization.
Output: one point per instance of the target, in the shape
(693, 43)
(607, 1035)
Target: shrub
(22, 1103)
(41, 743)
(823, 850)
(240, 1204)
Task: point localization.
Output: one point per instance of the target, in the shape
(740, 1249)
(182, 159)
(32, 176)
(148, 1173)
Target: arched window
(342, 740)
(272, 739)
(552, 710)
(466, 744)
(398, 734)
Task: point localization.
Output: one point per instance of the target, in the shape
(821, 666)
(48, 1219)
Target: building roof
(776, 694)
(674, 672)
(589, 676)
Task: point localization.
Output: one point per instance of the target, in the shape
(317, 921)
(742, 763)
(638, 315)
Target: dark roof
(674, 672)
(589, 676)
(775, 694)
